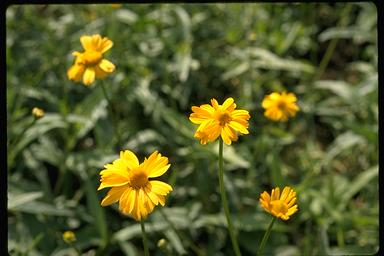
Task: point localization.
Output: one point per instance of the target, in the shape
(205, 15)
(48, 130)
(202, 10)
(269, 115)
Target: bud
(69, 237)
(37, 112)
(162, 243)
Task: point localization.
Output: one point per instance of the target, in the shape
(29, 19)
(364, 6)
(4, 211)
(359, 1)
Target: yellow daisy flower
(281, 206)
(219, 120)
(37, 112)
(131, 184)
(90, 64)
(279, 107)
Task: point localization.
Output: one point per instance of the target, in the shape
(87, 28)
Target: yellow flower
(116, 5)
(281, 206)
(131, 184)
(69, 237)
(90, 63)
(215, 120)
(37, 112)
(279, 107)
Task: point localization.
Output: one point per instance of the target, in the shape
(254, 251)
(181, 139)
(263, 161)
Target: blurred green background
(168, 58)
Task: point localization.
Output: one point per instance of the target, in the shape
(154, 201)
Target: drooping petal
(107, 66)
(89, 76)
(113, 195)
(76, 72)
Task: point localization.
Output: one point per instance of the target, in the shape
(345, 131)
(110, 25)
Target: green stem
(332, 45)
(225, 203)
(113, 114)
(265, 238)
(145, 242)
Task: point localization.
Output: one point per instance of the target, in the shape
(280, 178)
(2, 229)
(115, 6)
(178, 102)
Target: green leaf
(18, 200)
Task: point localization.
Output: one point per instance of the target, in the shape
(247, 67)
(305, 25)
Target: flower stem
(225, 203)
(145, 242)
(266, 235)
(112, 112)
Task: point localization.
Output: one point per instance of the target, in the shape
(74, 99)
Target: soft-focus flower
(116, 5)
(37, 112)
(279, 107)
(281, 206)
(131, 184)
(90, 64)
(215, 120)
(69, 237)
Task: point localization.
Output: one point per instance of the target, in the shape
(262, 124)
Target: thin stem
(225, 203)
(332, 45)
(113, 113)
(145, 242)
(266, 235)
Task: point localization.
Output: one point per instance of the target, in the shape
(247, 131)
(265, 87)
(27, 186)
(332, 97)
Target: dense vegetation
(168, 58)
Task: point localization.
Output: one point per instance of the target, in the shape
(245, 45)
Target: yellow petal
(106, 44)
(238, 127)
(159, 187)
(227, 103)
(112, 179)
(129, 158)
(107, 66)
(225, 137)
(89, 76)
(75, 72)
(86, 42)
(113, 195)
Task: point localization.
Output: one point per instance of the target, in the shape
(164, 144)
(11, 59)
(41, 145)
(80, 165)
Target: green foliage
(170, 57)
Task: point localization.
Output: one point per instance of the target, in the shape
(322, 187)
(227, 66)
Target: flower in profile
(37, 112)
(278, 107)
(90, 64)
(219, 120)
(131, 184)
(69, 237)
(281, 206)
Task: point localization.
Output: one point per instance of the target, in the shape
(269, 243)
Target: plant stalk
(225, 202)
(145, 242)
(265, 238)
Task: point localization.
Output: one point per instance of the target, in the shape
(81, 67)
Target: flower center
(223, 117)
(138, 178)
(91, 57)
(282, 105)
(279, 206)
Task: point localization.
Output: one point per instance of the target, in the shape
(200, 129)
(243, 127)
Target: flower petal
(113, 195)
(107, 66)
(129, 159)
(160, 188)
(105, 45)
(89, 76)
(86, 42)
(227, 103)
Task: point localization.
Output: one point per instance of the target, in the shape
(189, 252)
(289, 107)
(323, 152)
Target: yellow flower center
(282, 105)
(223, 117)
(138, 178)
(91, 57)
(278, 206)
